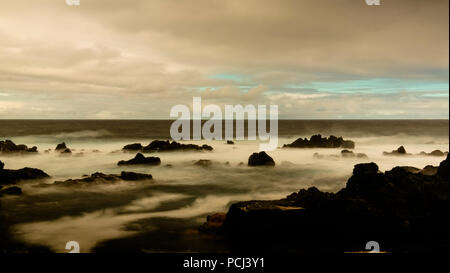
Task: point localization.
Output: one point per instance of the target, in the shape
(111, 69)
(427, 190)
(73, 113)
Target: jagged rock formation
(13, 176)
(165, 146)
(8, 146)
(101, 178)
(260, 159)
(317, 141)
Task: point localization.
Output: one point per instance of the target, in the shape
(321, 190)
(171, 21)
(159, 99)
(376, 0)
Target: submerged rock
(434, 153)
(260, 159)
(8, 146)
(403, 209)
(133, 147)
(203, 163)
(101, 178)
(13, 176)
(140, 159)
(14, 190)
(317, 141)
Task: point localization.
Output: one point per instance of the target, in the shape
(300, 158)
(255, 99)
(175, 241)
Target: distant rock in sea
(400, 151)
(404, 209)
(13, 176)
(140, 159)
(8, 146)
(101, 178)
(317, 141)
(164, 146)
(434, 153)
(61, 147)
(203, 163)
(260, 159)
(343, 154)
(230, 142)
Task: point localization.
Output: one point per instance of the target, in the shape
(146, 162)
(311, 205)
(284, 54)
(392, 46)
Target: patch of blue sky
(229, 77)
(376, 86)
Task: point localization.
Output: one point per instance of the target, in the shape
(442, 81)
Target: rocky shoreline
(404, 209)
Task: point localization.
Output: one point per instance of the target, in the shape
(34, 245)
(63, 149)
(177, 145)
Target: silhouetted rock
(13, 176)
(213, 222)
(11, 191)
(403, 209)
(203, 163)
(163, 146)
(230, 142)
(133, 147)
(8, 146)
(140, 159)
(400, 151)
(317, 141)
(101, 178)
(260, 159)
(66, 151)
(2, 165)
(61, 147)
(434, 153)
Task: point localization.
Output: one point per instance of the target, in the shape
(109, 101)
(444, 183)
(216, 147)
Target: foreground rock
(260, 159)
(317, 141)
(140, 159)
(14, 176)
(402, 209)
(165, 146)
(8, 147)
(101, 178)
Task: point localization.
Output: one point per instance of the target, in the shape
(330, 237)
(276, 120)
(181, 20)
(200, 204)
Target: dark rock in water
(2, 165)
(66, 151)
(11, 191)
(8, 146)
(203, 163)
(260, 159)
(13, 176)
(403, 209)
(162, 146)
(101, 178)
(213, 223)
(317, 141)
(400, 151)
(241, 164)
(140, 159)
(132, 176)
(133, 147)
(434, 153)
(61, 147)
(344, 154)
(230, 142)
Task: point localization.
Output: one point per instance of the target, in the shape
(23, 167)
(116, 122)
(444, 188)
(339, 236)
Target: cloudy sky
(315, 59)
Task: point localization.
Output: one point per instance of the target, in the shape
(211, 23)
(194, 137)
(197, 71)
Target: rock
(140, 159)
(101, 178)
(434, 153)
(317, 141)
(396, 207)
(13, 176)
(400, 151)
(213, 223)
(61, 147)
(260, 159)
(132, 176)
(2, 165)
(66, 151)
(203, 163)
(133, 147)
(230, 142)
(11, 191)
(8, 146)
(162, 146)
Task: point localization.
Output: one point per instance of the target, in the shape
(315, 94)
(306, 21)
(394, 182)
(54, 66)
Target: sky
(135, 59)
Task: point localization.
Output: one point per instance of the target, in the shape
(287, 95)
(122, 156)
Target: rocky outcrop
(317, 141)
(163, 146)
(13, 176)
(434, 153)
(8, 147)
(140, 159)
(101, 178)
(61, 147)
(404, 210)
(230, 142)
(260, 159)
(343, 154)
(2, 165)
(133, 147)
(203, 163)
(400, 151)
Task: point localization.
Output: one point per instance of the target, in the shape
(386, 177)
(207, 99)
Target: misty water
(163, 214)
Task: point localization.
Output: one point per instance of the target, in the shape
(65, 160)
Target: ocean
(163, 215)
